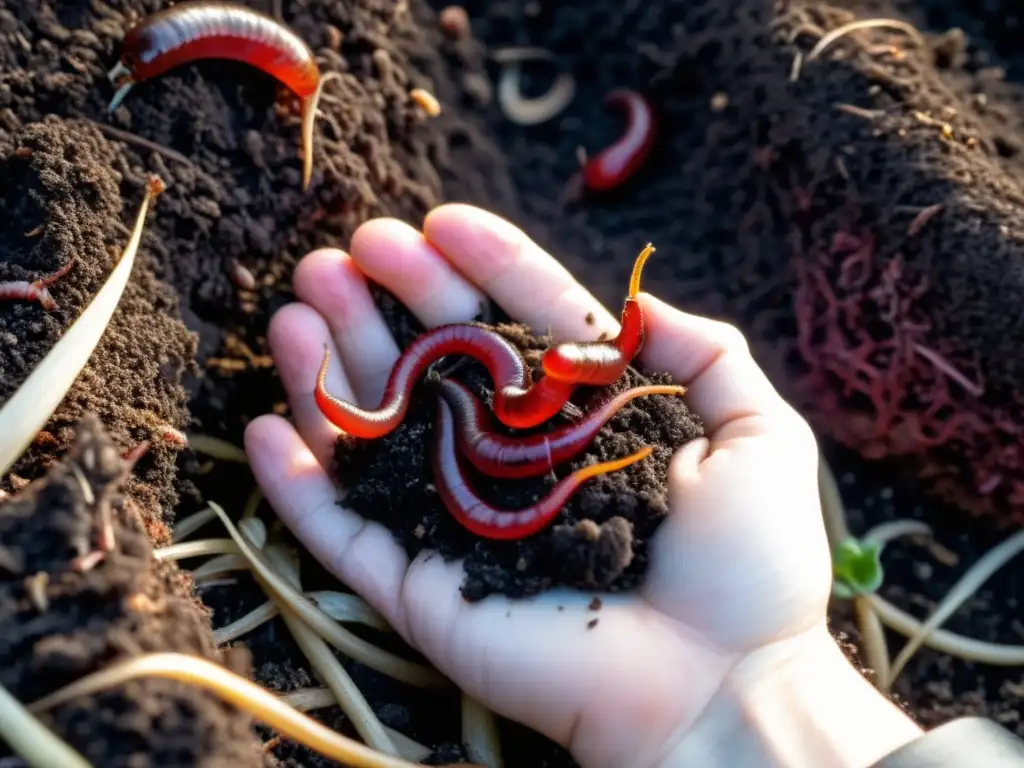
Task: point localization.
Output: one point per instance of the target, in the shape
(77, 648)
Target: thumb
(742, 556)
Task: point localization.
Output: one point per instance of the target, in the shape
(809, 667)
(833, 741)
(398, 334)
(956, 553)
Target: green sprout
(856, 568)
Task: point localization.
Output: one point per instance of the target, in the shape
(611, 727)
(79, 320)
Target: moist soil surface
(787, 198)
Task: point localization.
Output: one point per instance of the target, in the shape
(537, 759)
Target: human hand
(734, 601)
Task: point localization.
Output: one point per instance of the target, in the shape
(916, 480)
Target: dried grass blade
(34, 402)
(234, 689)
(943, 641)
(306, 699)
(187, 549)
(351, 645)
(964, 588)
(348, 609)
(36, 744)
(324, 663)
(185, 528)
(480, 733)
(218, 566)
(216, 448)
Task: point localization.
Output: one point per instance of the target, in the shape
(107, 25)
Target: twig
(131, 138)
(853, 109)
(940, 362)
(923, 217)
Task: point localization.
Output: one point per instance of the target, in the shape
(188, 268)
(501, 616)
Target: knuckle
(732, 339)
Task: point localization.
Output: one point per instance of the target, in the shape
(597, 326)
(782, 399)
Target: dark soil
(60, 624)
(744, 197)
(599, 540)
(61, 202)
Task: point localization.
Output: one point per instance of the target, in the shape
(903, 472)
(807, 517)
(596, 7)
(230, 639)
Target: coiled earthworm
(518, 402)
(201, 29)
(599, 363)
(614, 164)
(498, 455)
(480, 518)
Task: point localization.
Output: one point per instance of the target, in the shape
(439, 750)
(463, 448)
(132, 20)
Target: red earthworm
(201, 29)
(37, 290)
(498, 455)
(477, 516)
(600, 363)
(617, 162)
(518, 402)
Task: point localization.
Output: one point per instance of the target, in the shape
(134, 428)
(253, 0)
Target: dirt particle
(454, 21)
(426, 101)
(242, 277)
(595, 604)
(592, 623)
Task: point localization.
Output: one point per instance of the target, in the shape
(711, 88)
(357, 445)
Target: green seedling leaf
(856, 568)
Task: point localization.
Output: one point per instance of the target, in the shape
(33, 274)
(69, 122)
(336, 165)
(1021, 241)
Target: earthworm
(599, 363)
(518, 402)
(498, 455)
(614, 164)
(37, 290)
(474, 514)
(202, 29)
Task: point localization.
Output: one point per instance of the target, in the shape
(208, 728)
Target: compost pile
(858, 213)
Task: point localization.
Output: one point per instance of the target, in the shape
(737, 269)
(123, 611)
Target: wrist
(798, 703)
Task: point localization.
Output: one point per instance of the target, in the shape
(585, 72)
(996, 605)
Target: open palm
(740, 570)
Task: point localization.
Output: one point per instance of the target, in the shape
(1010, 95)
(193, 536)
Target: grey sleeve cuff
(969, 742)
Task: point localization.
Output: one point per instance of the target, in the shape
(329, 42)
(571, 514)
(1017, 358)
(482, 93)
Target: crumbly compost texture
(61, 624)
(753, 176)
(220, 243)
(600, 539)
(60, 203)
(769, 164)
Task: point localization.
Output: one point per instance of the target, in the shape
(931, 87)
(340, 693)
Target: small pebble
(426, 101)
(454, 21)
(334, 38)
(242, 277)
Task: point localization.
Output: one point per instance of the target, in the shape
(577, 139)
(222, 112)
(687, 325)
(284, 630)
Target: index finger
(525, 281)
(725, 385)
